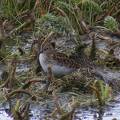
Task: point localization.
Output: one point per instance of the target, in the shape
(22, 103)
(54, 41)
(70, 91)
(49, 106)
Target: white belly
(42, 60)
(57, 69)
(61, 70)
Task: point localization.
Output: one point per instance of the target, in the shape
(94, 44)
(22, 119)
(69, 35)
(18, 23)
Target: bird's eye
(46, 48)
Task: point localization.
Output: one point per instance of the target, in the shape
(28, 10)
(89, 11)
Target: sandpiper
(60, 63)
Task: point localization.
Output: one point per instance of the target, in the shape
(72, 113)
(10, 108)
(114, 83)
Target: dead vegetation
(87, 86)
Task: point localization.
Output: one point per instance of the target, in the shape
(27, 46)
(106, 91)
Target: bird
(60, 63)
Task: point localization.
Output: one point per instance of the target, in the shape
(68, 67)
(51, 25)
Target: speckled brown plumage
(60, 63)
(64, 60)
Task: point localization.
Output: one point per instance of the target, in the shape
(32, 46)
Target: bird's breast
(57, 68)
(43, 62)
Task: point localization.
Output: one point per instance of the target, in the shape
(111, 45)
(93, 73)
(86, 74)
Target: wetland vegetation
(87, 31)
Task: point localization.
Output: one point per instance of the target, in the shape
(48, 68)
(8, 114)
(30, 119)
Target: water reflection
(38, 112)
(107, 113)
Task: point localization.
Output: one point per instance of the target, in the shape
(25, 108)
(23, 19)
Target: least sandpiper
(60, 63)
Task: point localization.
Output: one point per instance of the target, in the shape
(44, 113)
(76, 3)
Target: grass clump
(111, 23)
(49, 22)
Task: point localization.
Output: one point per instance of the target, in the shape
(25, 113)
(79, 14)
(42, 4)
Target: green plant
(111, 23)
(20, 111)
(89, 9)
(78, 11)
(70, 10)
(12, 8)
(102, 91)
(50, 22)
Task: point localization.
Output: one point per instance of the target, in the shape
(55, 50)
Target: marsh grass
(12, 8)
(102, 91)
(61, 17)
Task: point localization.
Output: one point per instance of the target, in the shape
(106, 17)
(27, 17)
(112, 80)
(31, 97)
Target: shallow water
(108, 113)
(38, 112)
(4, 115)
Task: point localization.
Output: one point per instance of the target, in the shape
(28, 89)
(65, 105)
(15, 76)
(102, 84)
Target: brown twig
(9, 95)
(28, 83)
(97, 94)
